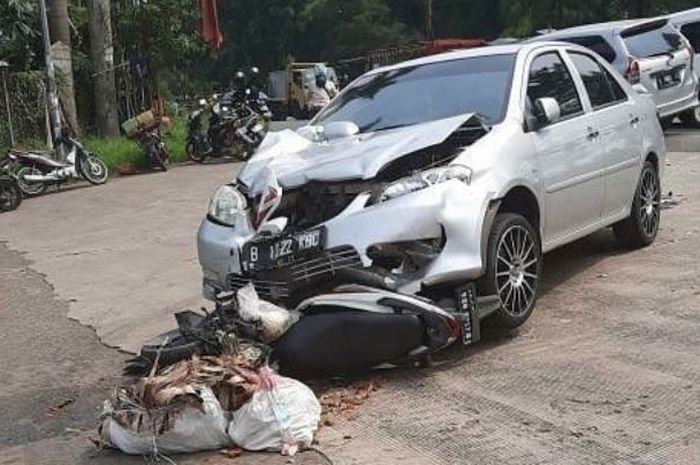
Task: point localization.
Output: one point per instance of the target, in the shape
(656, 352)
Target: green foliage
(20, 43)
(525, 17)
(271, 33)
(122, 151)
(166, 32)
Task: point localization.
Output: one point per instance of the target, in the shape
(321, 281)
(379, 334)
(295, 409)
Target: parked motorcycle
(10, 193)
(237, 125)
(150, 140)
(34, 171)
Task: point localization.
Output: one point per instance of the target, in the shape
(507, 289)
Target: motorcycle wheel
(164, 158)
(93, 169)
(28, 187)
(194, 154)
(10, 195)
(156, 157)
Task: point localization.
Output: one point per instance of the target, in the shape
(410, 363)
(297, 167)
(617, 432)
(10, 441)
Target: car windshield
(418, 94)
(652, 41)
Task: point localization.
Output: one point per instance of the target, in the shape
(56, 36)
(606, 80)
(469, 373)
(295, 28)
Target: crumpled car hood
(296, 160)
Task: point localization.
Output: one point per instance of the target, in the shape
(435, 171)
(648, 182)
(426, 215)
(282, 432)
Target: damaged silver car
(442, 179)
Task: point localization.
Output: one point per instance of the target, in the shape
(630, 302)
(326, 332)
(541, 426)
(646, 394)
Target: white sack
(192, 431)
(283, 418)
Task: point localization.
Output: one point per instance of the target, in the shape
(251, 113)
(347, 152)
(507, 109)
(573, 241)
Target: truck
(288, 89)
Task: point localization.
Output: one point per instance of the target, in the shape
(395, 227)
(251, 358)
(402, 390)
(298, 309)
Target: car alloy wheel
(650, 196)
(516, 270)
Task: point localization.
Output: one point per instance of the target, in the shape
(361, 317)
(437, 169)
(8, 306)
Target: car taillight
(633, 75)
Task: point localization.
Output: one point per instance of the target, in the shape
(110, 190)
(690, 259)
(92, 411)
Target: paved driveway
(607, 370)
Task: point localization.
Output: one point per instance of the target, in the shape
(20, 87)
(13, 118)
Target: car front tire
(513, 269)
(641, 227)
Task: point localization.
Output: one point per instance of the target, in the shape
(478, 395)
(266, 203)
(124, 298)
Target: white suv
(449, 171)
(651, 54)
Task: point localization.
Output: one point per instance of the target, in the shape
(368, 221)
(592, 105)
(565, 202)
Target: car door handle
(593, 134)
(634, 121)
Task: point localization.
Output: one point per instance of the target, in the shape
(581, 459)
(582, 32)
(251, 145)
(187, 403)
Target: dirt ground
(607, 371)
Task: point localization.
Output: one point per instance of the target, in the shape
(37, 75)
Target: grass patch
(121, 150)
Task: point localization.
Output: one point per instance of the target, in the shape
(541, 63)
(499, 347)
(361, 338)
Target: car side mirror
(545, 111)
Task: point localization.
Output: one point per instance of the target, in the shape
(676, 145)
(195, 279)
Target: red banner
(210, 24)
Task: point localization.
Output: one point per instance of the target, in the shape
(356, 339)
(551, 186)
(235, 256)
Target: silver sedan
(446, 178)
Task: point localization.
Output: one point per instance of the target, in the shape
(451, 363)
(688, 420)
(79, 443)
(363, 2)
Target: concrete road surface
(123, 254)
(607, 371)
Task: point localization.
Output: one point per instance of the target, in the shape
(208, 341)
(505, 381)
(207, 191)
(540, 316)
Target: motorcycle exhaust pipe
(37, 177)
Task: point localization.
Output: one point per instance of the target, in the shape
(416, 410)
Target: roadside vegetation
(122, 151)
(158, 55)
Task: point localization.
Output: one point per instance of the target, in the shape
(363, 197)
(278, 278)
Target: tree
(20, 43)
(59, 26)
(102, 53)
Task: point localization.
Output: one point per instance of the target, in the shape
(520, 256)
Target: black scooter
(351, 329)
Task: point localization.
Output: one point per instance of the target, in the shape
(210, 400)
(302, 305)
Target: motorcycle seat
(43, 158)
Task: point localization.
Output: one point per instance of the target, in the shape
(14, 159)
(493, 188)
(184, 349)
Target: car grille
(291, 283)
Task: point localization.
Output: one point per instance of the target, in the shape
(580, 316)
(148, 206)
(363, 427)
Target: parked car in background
(651, 54)
(688, 22)
(412, 183)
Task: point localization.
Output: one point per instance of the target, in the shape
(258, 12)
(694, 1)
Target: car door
(568, 152)
(620, 129)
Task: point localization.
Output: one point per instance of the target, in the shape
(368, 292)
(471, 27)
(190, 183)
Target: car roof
(598, 28)
(508, 49)
(681, 17)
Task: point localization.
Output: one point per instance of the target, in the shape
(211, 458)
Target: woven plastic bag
(282, 416)
(192, 430)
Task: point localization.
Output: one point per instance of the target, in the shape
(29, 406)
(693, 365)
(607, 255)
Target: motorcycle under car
(351, 329)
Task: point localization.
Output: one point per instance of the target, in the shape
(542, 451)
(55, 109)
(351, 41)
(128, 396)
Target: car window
(418, 94)
(596, 43)
(599, 84)
(549, 77)
(691, 31)
(652, 40)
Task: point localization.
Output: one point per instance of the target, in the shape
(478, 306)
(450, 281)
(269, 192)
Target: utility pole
(52, 96)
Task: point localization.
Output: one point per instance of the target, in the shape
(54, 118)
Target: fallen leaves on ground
(340, 403)
(56, 409)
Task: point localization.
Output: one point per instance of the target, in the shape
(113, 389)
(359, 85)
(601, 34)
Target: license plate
(668, 80)
(467, 313)
(270, 253)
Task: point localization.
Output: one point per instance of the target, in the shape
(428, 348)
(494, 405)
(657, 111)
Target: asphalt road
(607, 371)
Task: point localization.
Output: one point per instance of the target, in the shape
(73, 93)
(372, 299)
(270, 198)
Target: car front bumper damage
(451, 213)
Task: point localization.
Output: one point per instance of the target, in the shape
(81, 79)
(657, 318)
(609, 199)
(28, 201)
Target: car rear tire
(691, 118)
(513, 269)
(641, 227)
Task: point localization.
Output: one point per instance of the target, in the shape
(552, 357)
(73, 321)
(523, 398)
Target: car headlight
(424, 179)
(226, 205)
